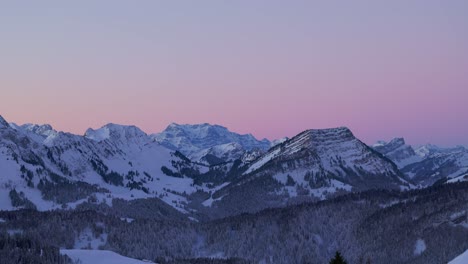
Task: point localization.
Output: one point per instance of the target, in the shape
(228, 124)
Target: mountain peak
(325, 152)
(398, 151)
(385, 147)
(3, 122)
(114, 132)
(398, 141)
(44, 130)
(328, 133)
(190, 139)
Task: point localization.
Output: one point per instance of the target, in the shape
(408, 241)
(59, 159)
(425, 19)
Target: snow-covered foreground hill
(82, 256)
(424, 226)
(462, 259)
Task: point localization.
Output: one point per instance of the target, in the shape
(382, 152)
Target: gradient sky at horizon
(271, 68)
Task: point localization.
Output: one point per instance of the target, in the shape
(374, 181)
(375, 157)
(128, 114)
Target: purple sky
(272, 68)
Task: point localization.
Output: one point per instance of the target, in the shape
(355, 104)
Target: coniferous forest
(379, 226)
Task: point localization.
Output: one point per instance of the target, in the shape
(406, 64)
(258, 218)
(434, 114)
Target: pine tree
(338, 259)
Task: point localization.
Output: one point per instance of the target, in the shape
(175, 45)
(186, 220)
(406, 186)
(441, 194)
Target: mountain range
(206, 171)
(427, 164)
(196, 192)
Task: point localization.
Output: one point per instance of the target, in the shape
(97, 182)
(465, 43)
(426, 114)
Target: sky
(271, 68)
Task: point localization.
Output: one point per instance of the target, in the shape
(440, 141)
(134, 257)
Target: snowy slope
(99, 257)
(113, 162)
(462, 259)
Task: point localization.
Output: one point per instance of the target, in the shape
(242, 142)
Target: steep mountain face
(196, 140)
(427, 164)
(315, 164)
(398, 151)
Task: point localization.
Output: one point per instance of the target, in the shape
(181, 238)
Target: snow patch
(462, 259)
(257, 165)
(419, 247)
(209, 202)
(13, 232)
(126, 219)
(98, 134)
(99, 257)
(87, 240)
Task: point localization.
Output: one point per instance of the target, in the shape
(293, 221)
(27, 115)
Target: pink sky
(382, 69)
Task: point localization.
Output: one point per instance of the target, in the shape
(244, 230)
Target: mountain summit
(332, 154)
(3, 122)
(209, 144)
(192, 138)
(315, 164)
(398, 151)
(118, 133)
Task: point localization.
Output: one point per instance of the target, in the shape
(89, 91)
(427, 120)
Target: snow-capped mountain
(120, 135)
(334, 153)
(229, 173)
(315, 164)
(3, 123)
(445, 164)
(209, 144)
(278, 141)
(427, 150)
(66, 169)
(398, 151)
(426, 164)
(39, 133)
